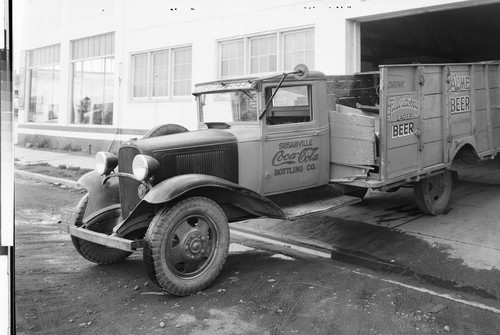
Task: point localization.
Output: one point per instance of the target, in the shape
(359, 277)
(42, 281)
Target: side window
(291, 104)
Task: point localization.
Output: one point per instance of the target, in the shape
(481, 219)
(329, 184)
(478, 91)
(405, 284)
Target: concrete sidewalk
(55, 158)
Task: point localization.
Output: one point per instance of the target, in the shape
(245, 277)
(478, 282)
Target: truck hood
(212, 152)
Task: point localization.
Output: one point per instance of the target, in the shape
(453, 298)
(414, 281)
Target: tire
(186, 246)
(433, 194)
(164, 129)
(93, 252)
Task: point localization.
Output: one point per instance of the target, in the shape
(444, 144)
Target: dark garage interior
(449, 36)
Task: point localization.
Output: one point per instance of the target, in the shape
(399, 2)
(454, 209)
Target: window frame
(90, 48)
(150, 80)
(247, 40)
(275, 111)
(43, 57)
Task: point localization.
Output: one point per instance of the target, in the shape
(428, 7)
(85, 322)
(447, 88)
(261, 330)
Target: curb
(52, 180)
(366, 260)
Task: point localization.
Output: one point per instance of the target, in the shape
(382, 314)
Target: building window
(44, 84)
(263, 54)
(93, 80)
(278, 51)
(298, 48)
(162, 74)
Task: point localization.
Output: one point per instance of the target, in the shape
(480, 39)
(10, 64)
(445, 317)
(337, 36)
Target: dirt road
(259, 290)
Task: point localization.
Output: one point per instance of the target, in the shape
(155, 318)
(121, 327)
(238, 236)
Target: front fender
(100, 196)
(218, 189)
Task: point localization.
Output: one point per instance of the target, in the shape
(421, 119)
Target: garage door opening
(449, 36)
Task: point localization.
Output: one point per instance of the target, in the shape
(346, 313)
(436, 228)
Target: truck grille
(211, 163)
(128, 187)
(220, 162)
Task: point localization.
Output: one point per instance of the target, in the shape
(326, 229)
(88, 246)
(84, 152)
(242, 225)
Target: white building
(98, 72)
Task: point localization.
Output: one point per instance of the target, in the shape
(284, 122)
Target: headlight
(144, 166)
(105, 162)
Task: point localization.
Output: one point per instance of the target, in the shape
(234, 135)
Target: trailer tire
(186, 246)
(93, 252)
(433, 194)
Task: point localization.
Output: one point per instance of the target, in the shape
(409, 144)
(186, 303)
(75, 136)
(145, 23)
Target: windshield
(232, 106)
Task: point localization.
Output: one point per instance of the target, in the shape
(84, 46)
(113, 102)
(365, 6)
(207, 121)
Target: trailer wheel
(93, 252)
(433, 194)
(186, 246)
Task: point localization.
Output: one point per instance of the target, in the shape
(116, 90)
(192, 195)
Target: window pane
(232, 58)
(290, 105)
(160, 74)
(44, 99)
(182, 71)
(93, 46)
(107, 107)
(93, 89)
(140, 76)
(263, 54)
(298, 48)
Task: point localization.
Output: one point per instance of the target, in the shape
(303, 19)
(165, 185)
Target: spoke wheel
(433, 194)
(93, 252)
(187, 246)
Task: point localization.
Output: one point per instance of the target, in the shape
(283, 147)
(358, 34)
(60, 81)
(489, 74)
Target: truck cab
(282, 147)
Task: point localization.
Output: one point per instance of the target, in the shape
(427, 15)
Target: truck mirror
(300, 72)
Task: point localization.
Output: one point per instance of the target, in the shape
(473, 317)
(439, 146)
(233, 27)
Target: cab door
(295, 138)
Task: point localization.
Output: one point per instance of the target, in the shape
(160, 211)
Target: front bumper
(106, 240)
(99, 238)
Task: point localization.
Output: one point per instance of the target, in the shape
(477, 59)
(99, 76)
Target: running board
(311, 201)
(316, 207)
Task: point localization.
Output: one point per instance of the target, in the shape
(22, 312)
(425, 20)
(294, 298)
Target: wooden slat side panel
(432, 154)
(432, 106)
(352, 139)
(401, 161)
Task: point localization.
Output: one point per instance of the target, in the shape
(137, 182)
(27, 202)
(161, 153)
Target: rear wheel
(433, 194)
(187, 246)
(93, 252)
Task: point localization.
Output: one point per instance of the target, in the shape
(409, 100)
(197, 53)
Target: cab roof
(248, 83)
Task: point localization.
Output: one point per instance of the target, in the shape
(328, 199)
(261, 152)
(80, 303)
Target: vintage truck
(282, 146)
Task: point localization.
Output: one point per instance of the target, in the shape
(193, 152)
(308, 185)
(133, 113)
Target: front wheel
(187, 246)
(433, 194)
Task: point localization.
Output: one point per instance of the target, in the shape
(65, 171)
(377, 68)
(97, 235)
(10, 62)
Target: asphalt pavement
(460, 249)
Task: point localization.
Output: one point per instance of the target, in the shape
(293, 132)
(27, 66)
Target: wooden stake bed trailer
(425, 116)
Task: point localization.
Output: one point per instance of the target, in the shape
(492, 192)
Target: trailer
(409, 123)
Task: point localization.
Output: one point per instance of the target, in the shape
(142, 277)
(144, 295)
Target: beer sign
(460, 101)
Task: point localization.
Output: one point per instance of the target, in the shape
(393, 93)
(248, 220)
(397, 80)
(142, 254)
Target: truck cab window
(291, 104)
